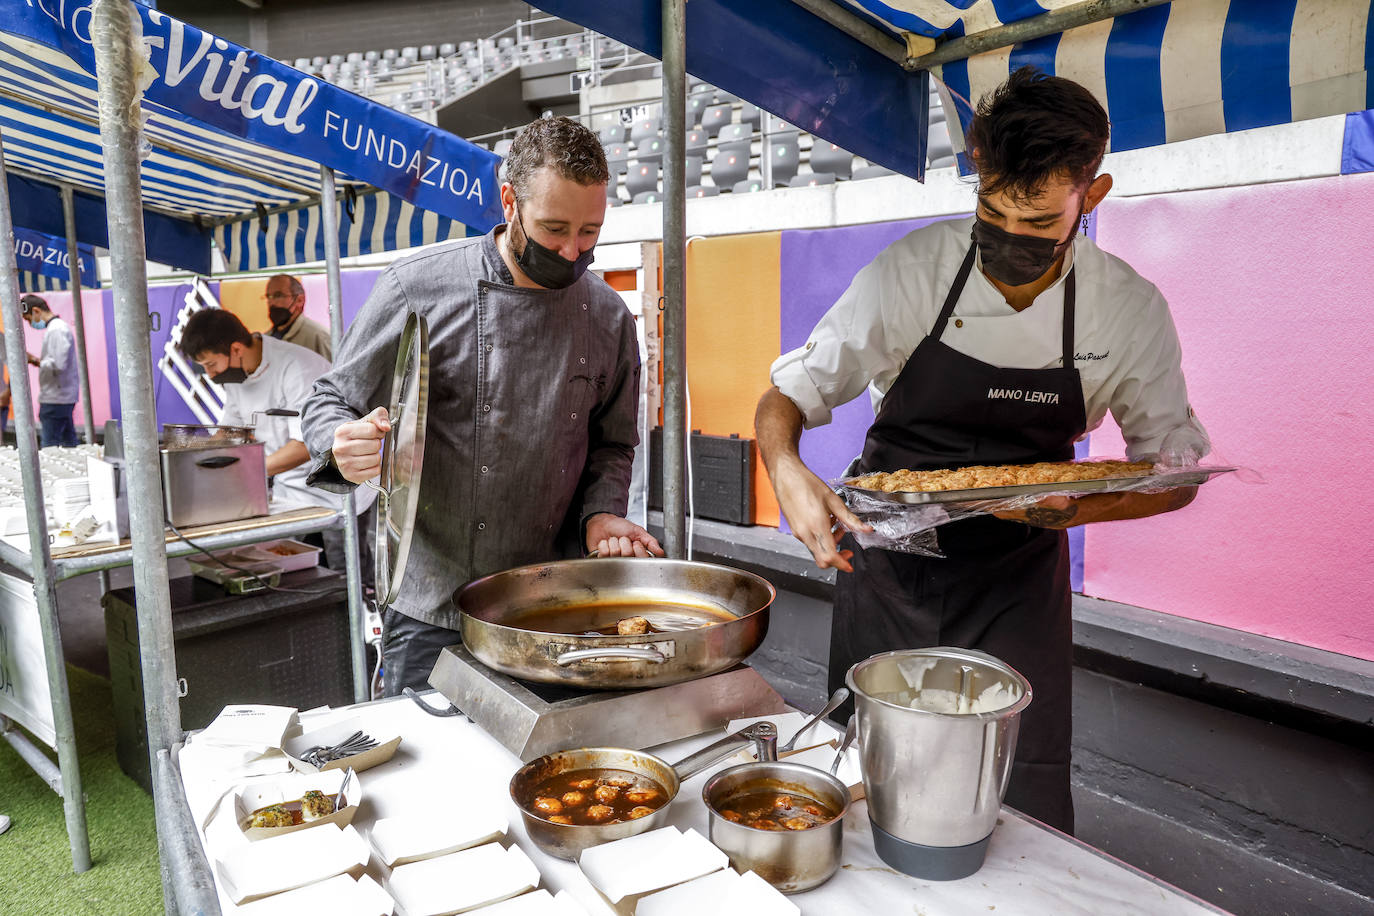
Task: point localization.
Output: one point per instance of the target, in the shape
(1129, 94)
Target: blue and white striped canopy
(374, 222)
(1169, 72)
(224, 144)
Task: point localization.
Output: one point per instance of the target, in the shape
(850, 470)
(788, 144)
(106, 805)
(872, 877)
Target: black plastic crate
(722, 476)
(282, 648)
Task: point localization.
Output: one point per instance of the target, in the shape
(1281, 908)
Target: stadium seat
(613, 189)
(506, 41)
(715, 117)
(354, 57)
(812, 180)
(317, 63)
(783, 153)
(336, 59)
(748, 186)
(643, 177)
(692, 170)
(465, 46)
(696, 142)
(428, 52)
(302, 63)
(729, 167)
(726, 98)
(643, 128)
(650, 149)
(410, 54)
(617, 153)
(614, 202)
(703, 190)
(447, 49)
(696, 106)
(372, 56)
(872, 171)
(647, 197)
(827, 157)
(391, 54)
(749, 114)
(611, 133)
(735, 133)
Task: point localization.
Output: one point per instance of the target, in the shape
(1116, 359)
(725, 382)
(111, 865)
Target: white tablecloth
(1030, 870)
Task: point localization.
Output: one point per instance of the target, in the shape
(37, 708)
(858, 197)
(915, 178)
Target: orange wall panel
(733, 337)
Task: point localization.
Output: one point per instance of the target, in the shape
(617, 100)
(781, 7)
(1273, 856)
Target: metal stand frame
(67, 780)
(675, 278)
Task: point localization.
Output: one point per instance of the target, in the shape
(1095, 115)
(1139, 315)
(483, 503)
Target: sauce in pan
(772, 810)
(612, 618)
(596, 796)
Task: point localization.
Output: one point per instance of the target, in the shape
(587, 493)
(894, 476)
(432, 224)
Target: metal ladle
(839, 696)
(851, 732)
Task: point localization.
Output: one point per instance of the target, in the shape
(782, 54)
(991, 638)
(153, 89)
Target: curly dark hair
(566, 146)
(212, 331)
(1034, 128)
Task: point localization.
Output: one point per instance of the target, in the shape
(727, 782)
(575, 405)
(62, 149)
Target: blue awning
(1166, 73)
(230, 134)
(44, 265)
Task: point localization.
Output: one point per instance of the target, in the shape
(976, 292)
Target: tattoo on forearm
(1046, 517)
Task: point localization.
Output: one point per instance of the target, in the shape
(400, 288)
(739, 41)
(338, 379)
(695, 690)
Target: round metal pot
(566, 841)
(791, 860)
(492, 608)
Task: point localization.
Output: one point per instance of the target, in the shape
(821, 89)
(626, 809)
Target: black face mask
(1017, 259)
(280, 315)
(547, 267)
(234, 375)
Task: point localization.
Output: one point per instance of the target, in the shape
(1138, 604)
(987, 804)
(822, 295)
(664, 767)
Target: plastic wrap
(910, 527)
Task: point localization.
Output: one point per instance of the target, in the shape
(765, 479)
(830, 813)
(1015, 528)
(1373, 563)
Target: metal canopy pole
(1051, 23)
(675, 279)
(329, 225)
(116, 56)
(78, 317)
(69, 785)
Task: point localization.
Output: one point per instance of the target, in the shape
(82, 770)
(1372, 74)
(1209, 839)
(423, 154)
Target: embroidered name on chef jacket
(1022, 394)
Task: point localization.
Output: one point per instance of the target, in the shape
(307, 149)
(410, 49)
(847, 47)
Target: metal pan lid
(403, 451)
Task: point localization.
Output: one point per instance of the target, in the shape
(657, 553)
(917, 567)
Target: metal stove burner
(533, 719)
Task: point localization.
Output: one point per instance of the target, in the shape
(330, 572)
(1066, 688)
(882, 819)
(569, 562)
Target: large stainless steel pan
(713, 618)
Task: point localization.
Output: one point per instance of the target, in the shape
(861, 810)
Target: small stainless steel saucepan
(791, 860)
(566, 841)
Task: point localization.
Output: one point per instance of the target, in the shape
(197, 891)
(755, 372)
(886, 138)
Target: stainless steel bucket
(938, 731)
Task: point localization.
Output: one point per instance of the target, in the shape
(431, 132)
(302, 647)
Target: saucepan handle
(613, 653)
(763, 734)
(217, 461)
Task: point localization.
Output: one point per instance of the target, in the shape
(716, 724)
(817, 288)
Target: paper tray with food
(997, 482)
(904, 507)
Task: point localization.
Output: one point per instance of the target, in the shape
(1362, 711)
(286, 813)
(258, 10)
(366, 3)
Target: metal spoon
(851, 732)
(839, 696)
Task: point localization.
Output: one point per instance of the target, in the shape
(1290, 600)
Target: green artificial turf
(36, 876)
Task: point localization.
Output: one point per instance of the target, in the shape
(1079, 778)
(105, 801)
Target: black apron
(1003, 587)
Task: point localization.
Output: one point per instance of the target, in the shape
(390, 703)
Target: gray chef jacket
(532, 405)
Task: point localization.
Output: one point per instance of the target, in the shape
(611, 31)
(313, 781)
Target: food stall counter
(1030, 868)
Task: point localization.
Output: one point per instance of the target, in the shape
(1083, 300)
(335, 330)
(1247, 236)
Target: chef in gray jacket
(533, 393)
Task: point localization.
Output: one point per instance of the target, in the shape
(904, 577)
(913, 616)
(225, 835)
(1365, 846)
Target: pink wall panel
(1270, 287)
(93, 314)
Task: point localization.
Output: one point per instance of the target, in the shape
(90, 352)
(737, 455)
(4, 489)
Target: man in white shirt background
(286, 308)
(58, 380)
(260, 373)
(939, 328)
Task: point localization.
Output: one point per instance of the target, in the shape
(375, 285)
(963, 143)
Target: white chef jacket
(283, 380)
(1125, 346)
